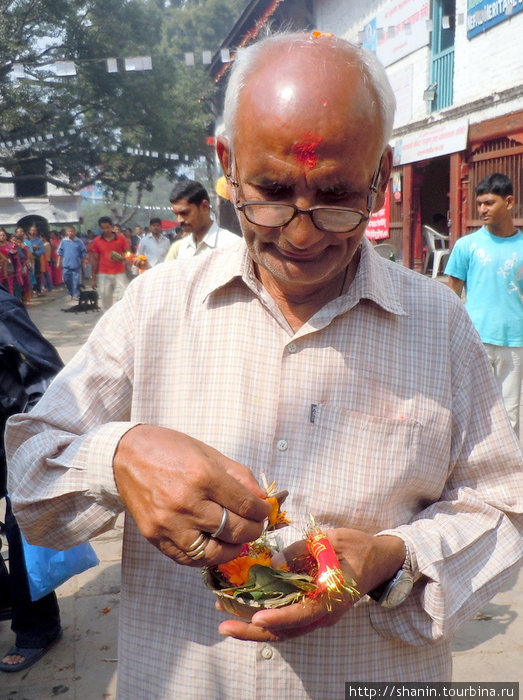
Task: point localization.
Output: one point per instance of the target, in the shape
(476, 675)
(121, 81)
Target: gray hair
(249, 58)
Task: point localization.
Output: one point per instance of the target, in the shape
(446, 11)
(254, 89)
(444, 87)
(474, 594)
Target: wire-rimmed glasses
(328, 219)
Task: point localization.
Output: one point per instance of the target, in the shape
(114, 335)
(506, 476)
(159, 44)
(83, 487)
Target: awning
(166, 224)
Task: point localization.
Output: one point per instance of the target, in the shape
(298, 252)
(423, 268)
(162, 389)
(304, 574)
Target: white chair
(437, 248)
(386, 250)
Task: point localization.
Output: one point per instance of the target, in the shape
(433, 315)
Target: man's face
(3, 237)
(156, 229)
(107, 229)
(138, 230)
(33, 232)
(301, 140)
(71, 233)
(494, 210)
(193, 218)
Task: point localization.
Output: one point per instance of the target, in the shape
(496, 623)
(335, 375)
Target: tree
(73, 131)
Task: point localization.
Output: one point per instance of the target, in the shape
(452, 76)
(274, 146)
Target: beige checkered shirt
(380, 413)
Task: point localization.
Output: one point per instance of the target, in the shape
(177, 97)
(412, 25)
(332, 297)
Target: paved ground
(83, 666)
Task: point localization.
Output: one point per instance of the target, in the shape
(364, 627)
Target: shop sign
(485, 14)
(432, 142)
(398, 30)
(379, 225)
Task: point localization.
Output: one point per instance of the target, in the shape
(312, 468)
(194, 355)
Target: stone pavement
(83, 665)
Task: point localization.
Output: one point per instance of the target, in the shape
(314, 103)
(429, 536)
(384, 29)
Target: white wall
(487, 63)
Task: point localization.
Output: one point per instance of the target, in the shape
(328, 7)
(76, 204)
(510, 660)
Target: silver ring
(197, 549)
(222, 525)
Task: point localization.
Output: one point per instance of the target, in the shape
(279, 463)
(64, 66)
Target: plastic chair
(437, 249)
(386, 250)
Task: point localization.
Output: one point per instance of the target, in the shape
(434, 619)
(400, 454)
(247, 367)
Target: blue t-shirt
(72, 251)
(492, 269)
(37, 246)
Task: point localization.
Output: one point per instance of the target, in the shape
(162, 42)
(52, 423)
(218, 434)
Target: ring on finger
(197, 549)
(222, 525)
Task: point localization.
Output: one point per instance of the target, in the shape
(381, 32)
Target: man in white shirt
(192, 207)
(155, 245)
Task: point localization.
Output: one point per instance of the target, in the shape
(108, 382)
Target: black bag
(28, 363)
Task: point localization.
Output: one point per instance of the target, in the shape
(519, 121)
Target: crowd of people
(28, 262)
(33, 263)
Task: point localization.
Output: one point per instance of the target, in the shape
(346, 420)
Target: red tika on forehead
(305, 150)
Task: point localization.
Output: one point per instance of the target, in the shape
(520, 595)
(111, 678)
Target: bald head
(312, 76)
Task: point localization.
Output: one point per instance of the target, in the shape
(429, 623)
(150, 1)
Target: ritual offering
(258, 579)
(132, 258)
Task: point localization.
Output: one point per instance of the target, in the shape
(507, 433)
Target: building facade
(33, 201)
(457, 72)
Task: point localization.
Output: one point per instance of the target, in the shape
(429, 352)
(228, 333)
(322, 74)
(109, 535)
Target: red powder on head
(305, 150)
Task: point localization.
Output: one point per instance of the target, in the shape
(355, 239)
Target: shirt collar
(375, 279)
(209, 239)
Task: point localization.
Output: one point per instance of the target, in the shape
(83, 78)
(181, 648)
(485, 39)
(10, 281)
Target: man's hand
(366, 559)
(93, 283)
(176, 487)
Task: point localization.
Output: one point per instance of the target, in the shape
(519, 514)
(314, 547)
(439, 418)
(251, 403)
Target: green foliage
(92, 118)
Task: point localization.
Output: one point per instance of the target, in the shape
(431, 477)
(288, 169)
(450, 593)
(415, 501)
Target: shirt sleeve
(470, 541)
(458, 262)
(60, 455)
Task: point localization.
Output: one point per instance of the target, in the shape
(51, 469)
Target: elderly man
(358, 385)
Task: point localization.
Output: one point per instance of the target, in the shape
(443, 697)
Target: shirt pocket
(364, 470)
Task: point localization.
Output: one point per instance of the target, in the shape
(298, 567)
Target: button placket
(267, 652)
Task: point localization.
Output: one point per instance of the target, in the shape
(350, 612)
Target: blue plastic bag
(49, 568)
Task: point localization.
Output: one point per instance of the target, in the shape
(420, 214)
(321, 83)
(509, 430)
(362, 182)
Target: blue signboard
(484, 14)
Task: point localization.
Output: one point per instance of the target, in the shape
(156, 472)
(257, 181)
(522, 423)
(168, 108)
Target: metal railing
(442, 73)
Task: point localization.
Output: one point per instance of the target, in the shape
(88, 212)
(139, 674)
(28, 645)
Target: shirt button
(292, 348)
(267, 653)
(282, 445)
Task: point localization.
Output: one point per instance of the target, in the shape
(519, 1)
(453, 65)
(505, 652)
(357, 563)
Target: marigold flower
(237, 570)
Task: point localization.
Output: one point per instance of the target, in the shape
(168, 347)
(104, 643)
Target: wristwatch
(397, 589)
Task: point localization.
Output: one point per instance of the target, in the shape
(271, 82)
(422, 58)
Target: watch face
(398, 590)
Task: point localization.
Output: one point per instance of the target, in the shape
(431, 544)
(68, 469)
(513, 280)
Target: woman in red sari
(14, 265)
(56, 270)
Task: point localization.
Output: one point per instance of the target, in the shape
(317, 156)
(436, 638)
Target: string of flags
(65, 68)
(114, 65)
(39, 140)
(406, 27)
(123, 205)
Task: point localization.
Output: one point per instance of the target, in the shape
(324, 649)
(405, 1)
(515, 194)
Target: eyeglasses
(328, 219)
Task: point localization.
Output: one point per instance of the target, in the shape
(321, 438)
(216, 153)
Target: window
(442, 52)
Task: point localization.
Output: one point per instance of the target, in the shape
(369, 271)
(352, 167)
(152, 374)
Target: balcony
(442, 73)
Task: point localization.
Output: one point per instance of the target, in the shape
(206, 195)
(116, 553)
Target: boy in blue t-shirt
(489, 264)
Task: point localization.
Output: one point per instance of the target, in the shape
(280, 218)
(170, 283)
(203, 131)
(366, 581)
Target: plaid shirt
(380, 413)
